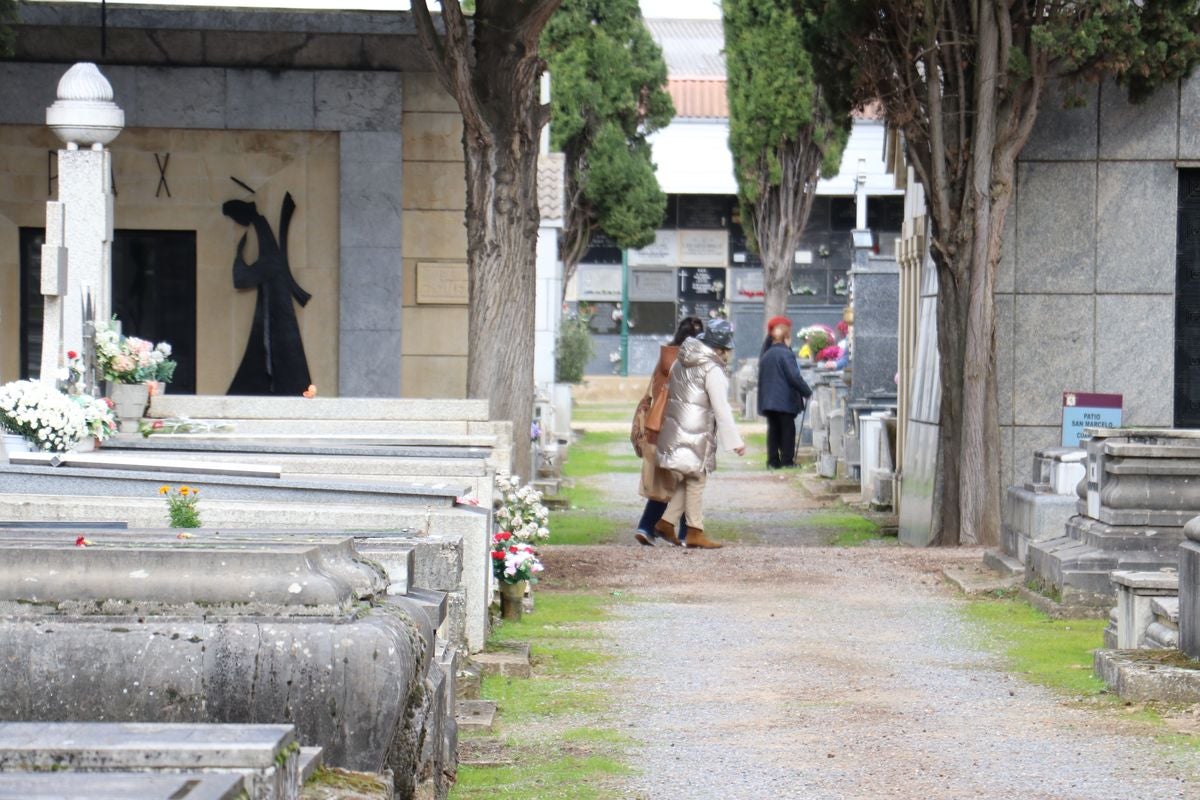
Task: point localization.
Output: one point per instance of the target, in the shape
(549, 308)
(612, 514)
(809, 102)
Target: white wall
(693, 158)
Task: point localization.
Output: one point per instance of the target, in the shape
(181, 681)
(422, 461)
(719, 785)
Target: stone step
(470, 677)
(476, 715)
(119, 786)
(510, 659)
(1003, 564)
(975, 579)
(1058, 610)
(265, 755)
(311, 760)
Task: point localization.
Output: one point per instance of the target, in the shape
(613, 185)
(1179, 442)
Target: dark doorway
(154, 295)
(1187, 302)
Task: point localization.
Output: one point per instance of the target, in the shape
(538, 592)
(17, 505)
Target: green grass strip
(1049, 652)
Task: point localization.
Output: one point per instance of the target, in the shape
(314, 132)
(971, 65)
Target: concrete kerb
(1142, 676)
(119, 786)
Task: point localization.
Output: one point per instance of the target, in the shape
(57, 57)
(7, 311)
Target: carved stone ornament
(84, 113)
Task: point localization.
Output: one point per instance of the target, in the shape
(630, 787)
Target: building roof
(692, 48)
(699, 98)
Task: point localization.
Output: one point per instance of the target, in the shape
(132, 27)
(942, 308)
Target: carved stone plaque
(709, 248)
(442, 284)
(664, 251)
(652, 285)
(599, 282)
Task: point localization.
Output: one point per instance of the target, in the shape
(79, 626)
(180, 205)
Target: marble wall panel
(1004, 357)
(371, 289)
(1143, 131)
(358, 101)
(433, 136)
(1027, 439)
(1053, 348)
(1189, 117)
(1135, 354)
(1007, 469)
(1056, 227)
(180, 97)
(1135, 231)
(1064, 134)
(256, 99)
(436, 331)
(381, 349)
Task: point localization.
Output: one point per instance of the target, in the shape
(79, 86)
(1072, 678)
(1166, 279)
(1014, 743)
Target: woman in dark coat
(781, 393)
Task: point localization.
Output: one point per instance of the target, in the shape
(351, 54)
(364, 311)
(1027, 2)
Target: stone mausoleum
(1097, 289)
(336, 109)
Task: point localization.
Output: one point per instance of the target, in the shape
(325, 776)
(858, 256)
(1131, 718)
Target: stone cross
(77, 255)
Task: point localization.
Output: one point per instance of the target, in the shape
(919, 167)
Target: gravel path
(810, 672)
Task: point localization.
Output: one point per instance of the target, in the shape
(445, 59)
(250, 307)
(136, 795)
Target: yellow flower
(183, 490)
(164, 490)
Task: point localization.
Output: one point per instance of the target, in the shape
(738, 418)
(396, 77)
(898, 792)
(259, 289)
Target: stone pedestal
(1142, 485)
(1189, 590)
(1038, 511)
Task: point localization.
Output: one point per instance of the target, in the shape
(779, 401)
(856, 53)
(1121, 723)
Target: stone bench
(231, 632)
(119, 786)
(266, 757)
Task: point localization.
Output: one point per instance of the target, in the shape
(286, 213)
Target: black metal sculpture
(274, 362)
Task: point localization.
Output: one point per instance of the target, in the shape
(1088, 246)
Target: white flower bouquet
(519, 510)
(46, 417)
(98, 416)
(127, 359)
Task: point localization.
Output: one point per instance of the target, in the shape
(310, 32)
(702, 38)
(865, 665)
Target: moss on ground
(1049, 652)
(554, 725)
(582, 527)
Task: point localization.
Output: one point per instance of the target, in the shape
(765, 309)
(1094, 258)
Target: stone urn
(512, 600)
(129, 402)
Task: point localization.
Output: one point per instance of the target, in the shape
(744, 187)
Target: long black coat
(780, 387)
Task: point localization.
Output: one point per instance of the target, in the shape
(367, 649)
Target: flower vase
(129, 402)
(85, 445)
(16, 443)
(512, 600)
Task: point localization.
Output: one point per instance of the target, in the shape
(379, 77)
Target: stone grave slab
(119, 786)
(267, 636)
(267, 757)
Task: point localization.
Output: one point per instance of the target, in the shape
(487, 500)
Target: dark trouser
(781, 439)
(652, 514)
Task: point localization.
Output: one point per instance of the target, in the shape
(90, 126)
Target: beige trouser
(688, 500)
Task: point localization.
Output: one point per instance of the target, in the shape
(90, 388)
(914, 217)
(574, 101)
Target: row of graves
(1112, 529)
(322, 612)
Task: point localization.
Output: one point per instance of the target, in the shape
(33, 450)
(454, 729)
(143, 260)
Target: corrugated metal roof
(699, 98)
(691, 47)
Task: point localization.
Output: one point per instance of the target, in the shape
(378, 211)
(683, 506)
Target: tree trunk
(492, 70)
(780, 214)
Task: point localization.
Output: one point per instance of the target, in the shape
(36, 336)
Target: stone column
(77, 255)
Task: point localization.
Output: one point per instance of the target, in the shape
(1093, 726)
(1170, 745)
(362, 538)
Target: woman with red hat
(781, 393)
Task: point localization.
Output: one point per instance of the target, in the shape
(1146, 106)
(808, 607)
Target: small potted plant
(515, 565)
(130, 365)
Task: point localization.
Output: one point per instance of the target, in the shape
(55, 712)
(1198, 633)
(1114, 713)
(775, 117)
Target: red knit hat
(773, 321)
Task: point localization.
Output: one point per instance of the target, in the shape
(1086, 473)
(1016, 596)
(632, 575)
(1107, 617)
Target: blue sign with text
(1082, 410)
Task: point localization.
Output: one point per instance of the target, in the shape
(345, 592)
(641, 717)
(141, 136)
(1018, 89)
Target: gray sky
(683, 9)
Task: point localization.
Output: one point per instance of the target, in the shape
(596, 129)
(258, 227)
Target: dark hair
(688, 327)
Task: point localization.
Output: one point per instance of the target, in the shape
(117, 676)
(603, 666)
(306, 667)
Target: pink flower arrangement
(514, 561)
(817, 337)
(831, 353)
